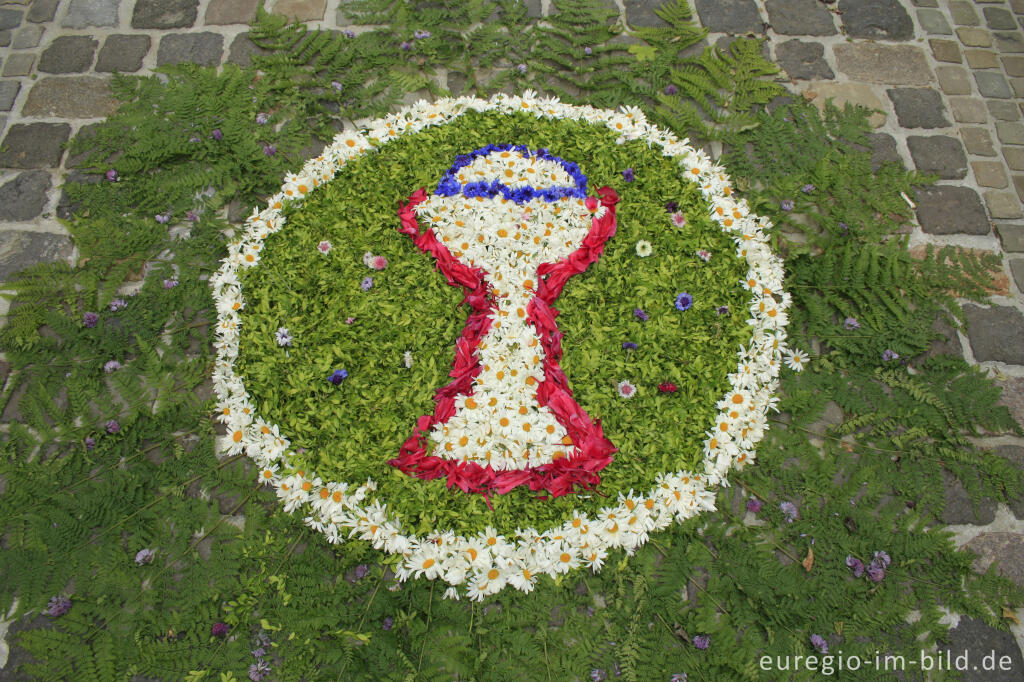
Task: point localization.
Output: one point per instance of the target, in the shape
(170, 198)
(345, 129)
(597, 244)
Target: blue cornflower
(684, 301)
(628, 345)
(339, 376)
(639, 314)
(628, 175)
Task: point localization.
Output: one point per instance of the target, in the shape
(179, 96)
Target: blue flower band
(450, 185)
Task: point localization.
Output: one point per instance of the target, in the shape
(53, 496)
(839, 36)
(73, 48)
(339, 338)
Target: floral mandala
(508, 225)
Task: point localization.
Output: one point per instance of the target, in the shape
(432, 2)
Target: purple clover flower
(262, 118)
(788, 510)
(192, 216)
(786, 204)
(220, 629)
(876, 572)
(112, 175)
(162, 218)
(889, 355)
(844, 226)
(111, 366)
(671, 89)
(628, 345)
(58, 606)
(361, 571)
(702, 641)
(259, 652)
(337, 86)
(144, 556)
(113, 426)
(387, 623)
(338, 376)
(851, 323)
(90, 319)
(754, 505)
(628, 175)
(348, 33)
(521, 68)
(598, 674)
(421, 35)
(90, 442)
(684, 301)
(269, 150)
(170, 283)
(366, 284)
(883, 559)
(808, 188)
(217, 134)
(639, 314)
(855, 565)
(678, 677)
(259, 670)
(406, 45)
(819, 643)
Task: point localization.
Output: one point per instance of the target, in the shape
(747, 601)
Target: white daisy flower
(796, 360)
(644, 248)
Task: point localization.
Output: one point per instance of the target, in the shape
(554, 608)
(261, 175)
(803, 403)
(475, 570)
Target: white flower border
(487, 562)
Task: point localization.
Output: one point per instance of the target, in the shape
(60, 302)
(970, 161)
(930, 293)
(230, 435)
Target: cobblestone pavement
(946, 76)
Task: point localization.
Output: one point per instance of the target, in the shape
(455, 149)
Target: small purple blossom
(855, 565)
(671, 206)
(361, 571)
(890, 355)
(366, 284)
(704, 255)
(851, 323)
(58, 606)
(258, 653)
(348, 33)
(324, 247)
(628, 345)
(786, 204)
(420, 35)
(111, 366)
(883, 558)
(269, 150)
(639, 314)
(220, 629)
(598, 674)
(283, 336)
(722, 310)
(112, 175)
(262, 118)
(684, 301)
(387, 623)
(144, 556)
(162, 218)
(349, 320)
(628, 175)
(788, 510)
(194, 138)
(337, 86)
(259, 670)
(521, 68)
(217, 134)
(808, 188)
(876, 571)
(678, 219)
(113, 426)
(753, 505)
(678, 677)
(588, 51)
(406, 45)
(819, 643)
(90, 442)
(702, 641)
(671, 89)
(170, 283)
(90, 319)
(844, 226)
(338, 376)
(192, 216)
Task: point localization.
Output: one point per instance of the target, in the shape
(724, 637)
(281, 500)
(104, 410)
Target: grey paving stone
(1009, 42)
(242, 49)
(10, 18)
(800, 18)
(991, 84)
(1014, 65)
(974, 37)
(990, 173)
(1017, 6)
(943, 209)
(967, 110)
(122, 53)
(999, 19)
(978, 141)
(23, 198)
(1012, 238)
(996, 333)
(1002, 205)
(925, 3)
(975, 639)
(1010, 133)
(204, 49)
(1014, 158)
(934, 22)
(953, 80)
(945, 50)
(1017, 270)
(456, 82)
(164, 14)
(85, 13)
(1017, 85)
(947, 344)
(70, 97)
(34, 145)
(222, 12)
(5, 38)
(963, 13)
(638, 12)
(68, 54)
(960, 510)
(876, 19)
(730, 16)
(8, 92)
(20, 249)
(804, 61)
(883, 150)
(939, 154)
(1003, 111)
(919, 107)
(301, 10)
(19, 64)
(981, 59)
(1018, 184)
(878, 63)
(42, 10)
(27, 37)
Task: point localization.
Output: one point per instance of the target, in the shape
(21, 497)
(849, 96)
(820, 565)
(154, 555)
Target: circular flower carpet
(499, 339)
